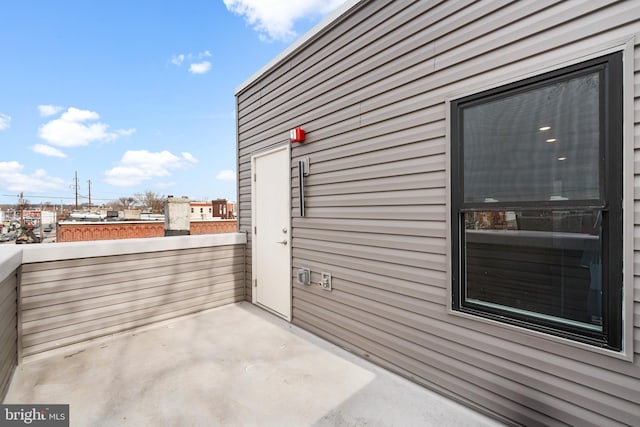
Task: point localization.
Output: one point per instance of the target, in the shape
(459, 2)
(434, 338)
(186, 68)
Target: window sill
(560, 345)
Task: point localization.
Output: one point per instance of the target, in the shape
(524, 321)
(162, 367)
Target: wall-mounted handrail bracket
(303, 170)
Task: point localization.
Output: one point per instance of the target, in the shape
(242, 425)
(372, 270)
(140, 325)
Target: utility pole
(41, 224)
(89, 181)
(76, 185)
(21, 206)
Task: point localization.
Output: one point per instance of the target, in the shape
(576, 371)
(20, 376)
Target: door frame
(254, 247)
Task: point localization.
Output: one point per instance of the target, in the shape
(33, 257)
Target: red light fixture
(296, 135)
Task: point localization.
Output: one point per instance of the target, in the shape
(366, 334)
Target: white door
(271, 239)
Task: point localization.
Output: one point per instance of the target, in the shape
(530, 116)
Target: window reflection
(536, 263)
(535, 145)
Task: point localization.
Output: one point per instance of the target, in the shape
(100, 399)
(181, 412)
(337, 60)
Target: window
(536, 203)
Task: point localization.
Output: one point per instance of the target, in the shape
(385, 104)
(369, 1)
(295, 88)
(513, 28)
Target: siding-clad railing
(9, 265)
(75, 292)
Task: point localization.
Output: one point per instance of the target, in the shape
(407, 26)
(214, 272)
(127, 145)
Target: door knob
(284, 230)
(283, 242)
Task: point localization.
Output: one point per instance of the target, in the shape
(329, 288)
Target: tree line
(148, 200)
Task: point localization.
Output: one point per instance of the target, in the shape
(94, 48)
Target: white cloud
(49, 110)
(189, 157)
(72, 129)
(137, 166)
(48, 150)
(226, 175)
(195, 67)
(126, 132)
(177, 59)
(12, 178)
(77, 115)
(274, 20)
(200, 67)
(5, 121)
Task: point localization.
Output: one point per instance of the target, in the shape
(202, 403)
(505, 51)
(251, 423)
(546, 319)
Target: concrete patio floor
(232, 366)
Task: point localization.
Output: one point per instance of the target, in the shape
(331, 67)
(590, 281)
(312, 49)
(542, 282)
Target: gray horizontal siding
(432, 356)
(8, 331)
(370, 94)
(69, 301)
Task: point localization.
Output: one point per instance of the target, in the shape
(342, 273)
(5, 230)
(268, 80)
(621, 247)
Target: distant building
(219, 208)
(48, 217)
(39, 216)
(201, 210)
(231, 210)
(132, 214)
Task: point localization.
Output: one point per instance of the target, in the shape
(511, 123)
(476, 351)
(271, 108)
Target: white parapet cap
(96, 248)
(309, 35)
(10, 260)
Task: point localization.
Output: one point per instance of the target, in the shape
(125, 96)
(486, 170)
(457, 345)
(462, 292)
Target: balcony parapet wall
(70, 293)
(10, 260)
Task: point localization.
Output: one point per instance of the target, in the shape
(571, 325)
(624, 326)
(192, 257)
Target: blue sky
(134, 95)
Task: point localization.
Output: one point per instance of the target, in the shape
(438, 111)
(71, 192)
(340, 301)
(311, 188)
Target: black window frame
(610, 202)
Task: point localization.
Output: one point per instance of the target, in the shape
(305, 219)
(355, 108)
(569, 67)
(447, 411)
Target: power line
(26, 196)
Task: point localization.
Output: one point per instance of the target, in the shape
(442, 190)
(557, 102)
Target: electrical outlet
(304, 276)
(325, 281)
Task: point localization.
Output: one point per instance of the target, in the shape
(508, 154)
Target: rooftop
(234, 365)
